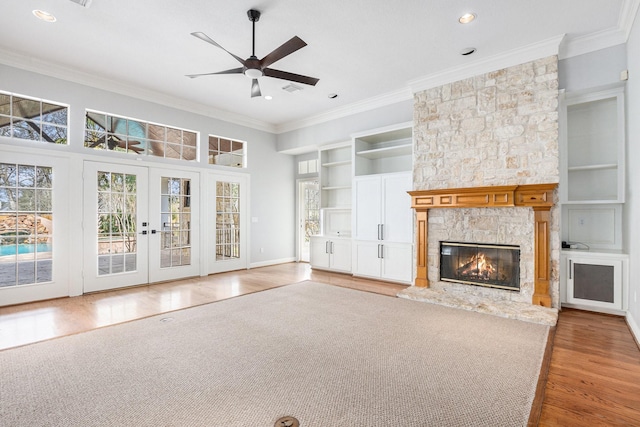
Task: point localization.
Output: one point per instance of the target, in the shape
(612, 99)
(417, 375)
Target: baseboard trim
(272, 262)
(633, 327)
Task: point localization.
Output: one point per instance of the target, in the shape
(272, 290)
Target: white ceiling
(361, 50)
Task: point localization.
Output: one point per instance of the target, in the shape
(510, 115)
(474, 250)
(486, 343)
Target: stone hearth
(509, 309)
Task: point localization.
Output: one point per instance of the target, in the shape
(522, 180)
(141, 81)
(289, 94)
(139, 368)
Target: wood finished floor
(594, 373)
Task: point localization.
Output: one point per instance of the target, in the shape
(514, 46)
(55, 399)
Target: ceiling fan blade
(231, 71)
(284, 75)
(285, 49)
(255, 89)
(204, 37)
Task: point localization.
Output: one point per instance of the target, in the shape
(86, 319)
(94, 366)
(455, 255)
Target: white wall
(632, 205)
(593, 69)
(339, 130)
(271, 173)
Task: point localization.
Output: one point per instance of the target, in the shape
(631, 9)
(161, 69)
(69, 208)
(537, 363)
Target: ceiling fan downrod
(254, 16)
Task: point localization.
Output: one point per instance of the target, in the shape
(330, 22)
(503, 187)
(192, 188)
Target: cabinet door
(397, 217)
(397, 262)
(366, 261)
(319, 252)
(595, 282)
(340, 257)
(367, 201)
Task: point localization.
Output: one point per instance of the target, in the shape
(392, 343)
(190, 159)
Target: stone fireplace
(486, 148)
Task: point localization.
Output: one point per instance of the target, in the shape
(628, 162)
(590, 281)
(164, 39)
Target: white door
(366, 258)
(319, 252)
(397, 215)
(34, 228)
(174, 219)
(397, 262)
(340, 255)
(227, 233)
(368, 199)
(308, 215)
(116, 226)
(140, 225)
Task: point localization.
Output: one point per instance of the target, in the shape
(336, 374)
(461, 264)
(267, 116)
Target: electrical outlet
(581, 221)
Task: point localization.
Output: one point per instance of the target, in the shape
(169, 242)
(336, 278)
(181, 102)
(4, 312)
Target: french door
(227, 240)
(141, 225)
(34, 228)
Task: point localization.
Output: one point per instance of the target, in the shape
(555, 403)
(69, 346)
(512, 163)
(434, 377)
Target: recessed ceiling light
(268, 97)
(466, 18)
(44, 16)
(467, 51)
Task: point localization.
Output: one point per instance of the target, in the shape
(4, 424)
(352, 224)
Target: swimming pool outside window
(26, 224)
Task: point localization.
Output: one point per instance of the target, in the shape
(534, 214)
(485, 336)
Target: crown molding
(13, 59)
(348, 110)
(507, 59)
(574, 46)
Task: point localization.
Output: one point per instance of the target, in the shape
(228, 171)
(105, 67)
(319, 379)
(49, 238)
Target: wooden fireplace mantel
(539, 197)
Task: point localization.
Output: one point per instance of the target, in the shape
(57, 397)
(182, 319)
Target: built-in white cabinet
(383, 227)
(383, 207)
(383, 260)
(366, 216)
(592, 147)
(594, 280)
(330, 253)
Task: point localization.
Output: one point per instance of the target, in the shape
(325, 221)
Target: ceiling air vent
(83, 3)
(291, 88)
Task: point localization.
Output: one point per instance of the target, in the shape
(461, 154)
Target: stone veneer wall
(498, 128)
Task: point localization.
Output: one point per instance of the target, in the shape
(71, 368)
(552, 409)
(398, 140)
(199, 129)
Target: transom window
(108, 132)
(226, 152)
(33, 119)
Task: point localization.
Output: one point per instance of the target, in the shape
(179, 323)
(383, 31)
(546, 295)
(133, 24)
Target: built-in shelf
(593, 167)
(335, 164)
(380, 153)
(341, 187)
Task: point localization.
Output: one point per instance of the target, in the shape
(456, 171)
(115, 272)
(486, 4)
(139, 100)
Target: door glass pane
(26, 224)
(175, 212)
(227, 220)
(311, 209)
(116, 234)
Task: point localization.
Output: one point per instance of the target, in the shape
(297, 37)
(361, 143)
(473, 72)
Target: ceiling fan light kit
(253, 67)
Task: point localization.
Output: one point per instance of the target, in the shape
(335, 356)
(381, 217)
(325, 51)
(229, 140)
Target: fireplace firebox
(495, 266)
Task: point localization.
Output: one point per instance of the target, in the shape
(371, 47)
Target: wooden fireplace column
(539, 197)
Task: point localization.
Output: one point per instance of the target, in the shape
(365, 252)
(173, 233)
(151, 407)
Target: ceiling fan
(253, 67)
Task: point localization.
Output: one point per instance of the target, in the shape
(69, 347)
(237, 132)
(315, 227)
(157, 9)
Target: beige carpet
(328, 356)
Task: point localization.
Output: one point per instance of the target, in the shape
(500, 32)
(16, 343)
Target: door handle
(570, 268)
(326, 247)
(331, 251)
(381, 232)
(381, 251)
